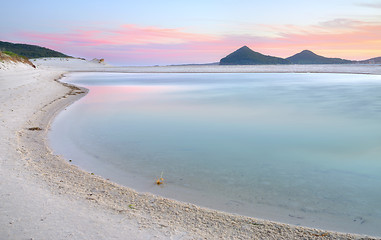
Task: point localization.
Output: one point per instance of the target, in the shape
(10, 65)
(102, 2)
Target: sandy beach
(44, 196)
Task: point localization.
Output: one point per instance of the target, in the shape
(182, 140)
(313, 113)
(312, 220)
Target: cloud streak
(126, 34)
(371, 5)
(132, 44)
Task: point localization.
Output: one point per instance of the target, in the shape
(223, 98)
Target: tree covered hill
(29, 51)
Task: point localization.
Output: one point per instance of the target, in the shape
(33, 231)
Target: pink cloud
(138, 35)
(126, 34)
(128, 42)
(132, 44)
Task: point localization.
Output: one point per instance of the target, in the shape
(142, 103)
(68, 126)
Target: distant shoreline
(153, 215)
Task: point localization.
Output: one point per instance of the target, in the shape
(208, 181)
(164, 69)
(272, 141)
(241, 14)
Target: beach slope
(44, 196)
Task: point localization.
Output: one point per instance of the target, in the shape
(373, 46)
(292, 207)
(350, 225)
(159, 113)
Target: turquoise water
(298, 148)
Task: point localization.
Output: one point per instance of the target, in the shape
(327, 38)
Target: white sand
(42, 196)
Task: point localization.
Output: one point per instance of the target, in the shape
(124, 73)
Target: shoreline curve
(150, 211)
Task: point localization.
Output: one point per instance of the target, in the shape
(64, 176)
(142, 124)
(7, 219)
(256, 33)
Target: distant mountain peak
(309, 57)
(246, 56)
(376, 60)
(307, 52)
(244, 47)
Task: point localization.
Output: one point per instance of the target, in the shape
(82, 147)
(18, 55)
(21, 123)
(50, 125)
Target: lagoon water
(303, 149)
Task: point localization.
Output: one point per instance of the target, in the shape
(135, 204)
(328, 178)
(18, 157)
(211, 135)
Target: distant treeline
(29, 51)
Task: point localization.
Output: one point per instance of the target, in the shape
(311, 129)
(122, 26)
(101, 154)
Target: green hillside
(29, 51)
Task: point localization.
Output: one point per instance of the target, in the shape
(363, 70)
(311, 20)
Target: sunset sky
(151, 32)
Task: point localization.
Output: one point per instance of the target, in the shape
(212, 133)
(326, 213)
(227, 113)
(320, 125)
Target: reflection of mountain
(246, 56)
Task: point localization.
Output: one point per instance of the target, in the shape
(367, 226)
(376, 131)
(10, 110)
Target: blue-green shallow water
(298, 148)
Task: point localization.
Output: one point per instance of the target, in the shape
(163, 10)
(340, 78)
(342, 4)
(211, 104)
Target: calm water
(298, 148)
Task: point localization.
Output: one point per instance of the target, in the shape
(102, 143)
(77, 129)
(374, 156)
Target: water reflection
(291, 144)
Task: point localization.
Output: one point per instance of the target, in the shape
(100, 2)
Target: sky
(152, 32)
